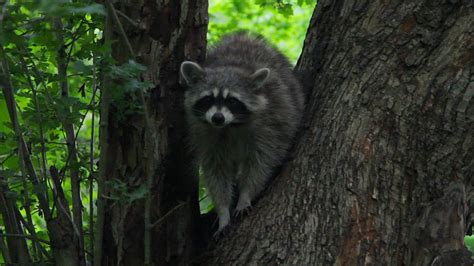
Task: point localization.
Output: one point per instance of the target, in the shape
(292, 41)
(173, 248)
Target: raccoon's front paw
(243, 206)
(242, 212)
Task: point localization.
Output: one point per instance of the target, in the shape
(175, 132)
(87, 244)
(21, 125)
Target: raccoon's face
(220, 107)
(222, 96)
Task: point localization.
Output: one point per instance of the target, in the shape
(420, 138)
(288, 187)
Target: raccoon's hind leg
(220, 191)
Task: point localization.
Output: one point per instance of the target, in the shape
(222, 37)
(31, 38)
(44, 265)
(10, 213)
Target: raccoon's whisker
(198, 111)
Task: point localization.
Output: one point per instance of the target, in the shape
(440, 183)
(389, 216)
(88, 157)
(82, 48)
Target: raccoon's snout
(218, 119)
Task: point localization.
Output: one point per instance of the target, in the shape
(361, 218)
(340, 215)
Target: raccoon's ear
(190, 73)
(260, 76)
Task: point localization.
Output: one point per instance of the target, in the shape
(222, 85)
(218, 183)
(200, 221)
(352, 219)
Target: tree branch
(5, 252)
(91, 165)
(69, 128)
(113, 13)
(11, 106)
(127, 18)
(17, 247)
(163, 218)
(26, 236)
(43, 155)
(32, 232)
(102, 191)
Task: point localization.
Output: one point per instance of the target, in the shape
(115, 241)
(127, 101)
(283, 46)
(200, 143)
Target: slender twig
(150, 152)
(5, 252)
(25, 236)
(7, 89)
(76, 135)
(11, 106)
(203, 198)
(75, 37)
(11, 154)
(26, 163)
(56, 143)
(33, 234)
(43, 150)
(102, 191)
(128, 19)
(70, 137)
(60, 198)
(18, 247)
(26, 199)
(91, 165)
(36, 72)
(111, 8)
(163, 218)
(49, 98)
(38, 117)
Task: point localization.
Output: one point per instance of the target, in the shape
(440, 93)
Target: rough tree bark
(162, 34)
(381, 170)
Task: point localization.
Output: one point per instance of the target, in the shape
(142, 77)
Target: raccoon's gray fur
(243, 107)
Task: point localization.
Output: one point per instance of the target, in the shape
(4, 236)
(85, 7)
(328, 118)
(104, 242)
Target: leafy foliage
(283, 23)
(469, 240)
(39, 40)
(31, 43)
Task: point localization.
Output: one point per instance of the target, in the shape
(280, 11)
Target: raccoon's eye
(233, 102)
(206, 100)
(237, 107)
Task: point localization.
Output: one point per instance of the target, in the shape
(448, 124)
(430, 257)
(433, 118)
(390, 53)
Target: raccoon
(243, 107)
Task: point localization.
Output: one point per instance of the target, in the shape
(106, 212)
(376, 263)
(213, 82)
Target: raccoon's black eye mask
(237, 107)
(202, 105)
(207, 100)
(233, 102)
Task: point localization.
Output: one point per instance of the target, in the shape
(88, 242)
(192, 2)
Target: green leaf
(282, 22)
(11, 195)
(4, 117)
(139, 193)
(79, 66)
(39, 188)
(286, 9)
(469, 240)
(90, 9)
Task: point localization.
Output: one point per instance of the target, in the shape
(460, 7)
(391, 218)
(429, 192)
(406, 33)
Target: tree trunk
(386, 155)
(161, 34)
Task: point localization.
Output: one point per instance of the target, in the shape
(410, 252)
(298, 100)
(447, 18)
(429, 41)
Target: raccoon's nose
(218, 119)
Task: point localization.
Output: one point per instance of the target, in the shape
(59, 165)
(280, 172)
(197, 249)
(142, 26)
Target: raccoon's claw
(244, 205)
(242, 212)
(221, 232)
